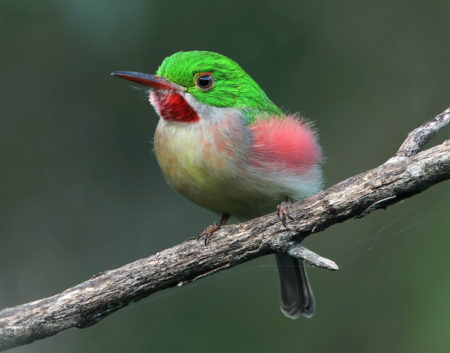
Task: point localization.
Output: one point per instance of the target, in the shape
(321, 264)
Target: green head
(212, 79)
(231, 85)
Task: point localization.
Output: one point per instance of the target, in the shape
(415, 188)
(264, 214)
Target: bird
(223, 144)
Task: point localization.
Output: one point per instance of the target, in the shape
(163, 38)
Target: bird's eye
(205, 81)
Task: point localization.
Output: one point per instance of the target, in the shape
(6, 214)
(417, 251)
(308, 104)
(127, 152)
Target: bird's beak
(152, 81)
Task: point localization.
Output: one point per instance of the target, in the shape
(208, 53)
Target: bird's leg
(208, 232)
(283, 211)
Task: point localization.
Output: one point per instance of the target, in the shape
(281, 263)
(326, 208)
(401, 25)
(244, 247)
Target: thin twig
(419, 137)
(312, 258)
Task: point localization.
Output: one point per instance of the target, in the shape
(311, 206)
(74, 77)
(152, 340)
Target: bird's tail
(297, 298)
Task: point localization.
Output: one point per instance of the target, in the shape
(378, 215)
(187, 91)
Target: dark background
(80, 190)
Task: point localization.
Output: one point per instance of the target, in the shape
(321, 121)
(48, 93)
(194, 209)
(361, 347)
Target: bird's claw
(208, 232)
(283, 212)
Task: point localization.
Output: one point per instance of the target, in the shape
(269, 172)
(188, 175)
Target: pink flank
(286, 144)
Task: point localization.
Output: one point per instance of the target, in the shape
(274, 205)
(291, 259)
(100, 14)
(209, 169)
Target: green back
(233, 86)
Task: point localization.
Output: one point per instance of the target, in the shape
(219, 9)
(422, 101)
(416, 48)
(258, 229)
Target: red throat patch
(172, 106)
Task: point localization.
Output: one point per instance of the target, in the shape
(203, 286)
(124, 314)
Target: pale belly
(209, 166)
(203, 165)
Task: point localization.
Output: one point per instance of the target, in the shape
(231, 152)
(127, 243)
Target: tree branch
(407, 173)
(419, 137)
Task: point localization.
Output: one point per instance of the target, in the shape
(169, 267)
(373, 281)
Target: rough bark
(407, 173)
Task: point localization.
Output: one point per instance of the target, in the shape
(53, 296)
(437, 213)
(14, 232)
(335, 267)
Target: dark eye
(205, 81)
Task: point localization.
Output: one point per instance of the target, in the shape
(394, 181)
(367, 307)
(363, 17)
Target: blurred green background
(81, 191)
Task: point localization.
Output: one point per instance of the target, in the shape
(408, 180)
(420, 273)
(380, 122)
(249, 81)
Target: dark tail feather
(296, 295)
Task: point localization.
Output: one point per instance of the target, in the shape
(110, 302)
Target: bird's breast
(200, 160)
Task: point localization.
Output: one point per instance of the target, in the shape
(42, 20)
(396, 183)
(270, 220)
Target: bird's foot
(208, 232)
(283, 211)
